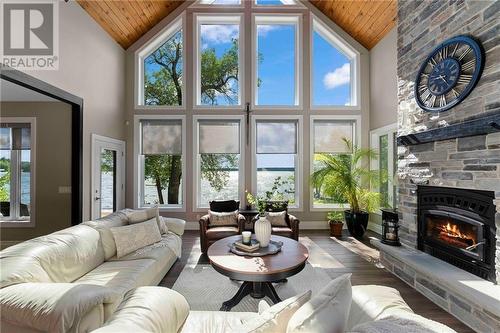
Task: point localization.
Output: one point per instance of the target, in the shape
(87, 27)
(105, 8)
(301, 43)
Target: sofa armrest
(175, 225)
(148, 309)
(52, 307)
(294, 225)
(204, 221)
(241, 223)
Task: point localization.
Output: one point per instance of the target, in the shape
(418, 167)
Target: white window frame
(149, 47)
(196, 161)
(138, 163)
(278, 19)
(298, 207)
(375, 135)
(209, 4)
(218, 18)
(357, 137)
(295, 5)
(338, 42)
(17, 222)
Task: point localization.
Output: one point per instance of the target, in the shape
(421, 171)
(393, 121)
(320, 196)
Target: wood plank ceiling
(367, 21)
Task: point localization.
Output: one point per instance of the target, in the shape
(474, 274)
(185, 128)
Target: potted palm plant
(336, 222)
(348, 176)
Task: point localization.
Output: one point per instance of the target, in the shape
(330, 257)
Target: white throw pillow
(141, 215)
(275, 318)
(328, 311)
(222, 219)
(277, 219)
(135, 236)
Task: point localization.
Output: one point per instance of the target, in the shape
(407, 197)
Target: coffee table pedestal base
(254, 289)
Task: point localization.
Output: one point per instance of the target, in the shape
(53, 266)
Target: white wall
(91, 66)
(384, 81)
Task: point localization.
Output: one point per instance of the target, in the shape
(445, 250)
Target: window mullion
(15, 183)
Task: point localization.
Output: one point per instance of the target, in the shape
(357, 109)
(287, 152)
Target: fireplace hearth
(458, 226)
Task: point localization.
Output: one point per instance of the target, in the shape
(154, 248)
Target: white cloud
(264, 29)
(219, 33)
(338, 77)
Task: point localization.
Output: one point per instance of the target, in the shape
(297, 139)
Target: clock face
(449, 74)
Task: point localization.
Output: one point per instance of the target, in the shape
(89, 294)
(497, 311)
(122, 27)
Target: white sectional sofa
(71, 280)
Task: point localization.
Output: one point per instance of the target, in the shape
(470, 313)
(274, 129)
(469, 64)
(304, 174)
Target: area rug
(205, 289)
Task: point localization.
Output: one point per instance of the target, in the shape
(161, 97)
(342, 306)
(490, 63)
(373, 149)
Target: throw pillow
(328, 311)
(275, 318)
(135, 236)
(408, 323)
(277, 219)
(141, 215)
(222, 219)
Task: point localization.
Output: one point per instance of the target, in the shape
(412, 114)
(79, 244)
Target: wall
(471, 162)
(91, 66)
(310, 219)
(53, 166)
(384, 81)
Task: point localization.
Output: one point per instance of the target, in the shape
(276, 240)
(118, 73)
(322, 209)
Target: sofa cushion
(121, 276)
(216, 219)
(51, 307)
(407, 322)
(224, 205)
(282, 231)
(276, 317)
(169, 243)
(216, 321)
(103, 225)
(371, 302)
(175, 225)
(148, 309)
(221, 232)
(141, 215)
(135, 236)
(327, 311)
(64, 255)
(19, 269)
(277, 219)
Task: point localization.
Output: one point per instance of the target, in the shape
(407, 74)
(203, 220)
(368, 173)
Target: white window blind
(328, 136)
(161, 137)
(219, 137)
(277, 137)
(15, 136)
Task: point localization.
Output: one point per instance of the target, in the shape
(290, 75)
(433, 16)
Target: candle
(246, 237)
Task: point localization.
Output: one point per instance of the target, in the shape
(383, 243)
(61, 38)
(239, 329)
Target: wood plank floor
(343, 255)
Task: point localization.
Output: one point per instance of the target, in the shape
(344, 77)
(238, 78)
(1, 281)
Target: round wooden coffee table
(257, 273)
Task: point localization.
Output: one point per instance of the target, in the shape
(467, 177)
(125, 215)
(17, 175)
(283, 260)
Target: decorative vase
(335, 229)
(357, 223)
(263, 231)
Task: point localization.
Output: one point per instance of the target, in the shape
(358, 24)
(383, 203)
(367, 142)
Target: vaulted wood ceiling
(367, 21)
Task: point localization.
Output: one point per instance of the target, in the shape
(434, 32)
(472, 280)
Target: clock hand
(442, 78)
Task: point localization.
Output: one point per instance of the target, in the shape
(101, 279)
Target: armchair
(209, 234)
(292, 228)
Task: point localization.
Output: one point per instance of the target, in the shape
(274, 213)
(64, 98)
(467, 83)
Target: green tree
(164, 87)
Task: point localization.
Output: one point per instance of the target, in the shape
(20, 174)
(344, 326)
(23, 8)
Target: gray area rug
(206, 289)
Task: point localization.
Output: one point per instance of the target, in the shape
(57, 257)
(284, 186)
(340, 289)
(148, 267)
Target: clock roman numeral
(431, 102)
(469, 65)
(455, 93)
(442, 101)
(464, 79)
(425, 96)
(445, 52)
(466, 52)
(454, 50)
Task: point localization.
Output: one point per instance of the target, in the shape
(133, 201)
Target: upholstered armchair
(211, 233)
(292, 228)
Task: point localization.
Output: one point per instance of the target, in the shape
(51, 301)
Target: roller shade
(15, 136)
(219, 137)
(161, 137)
(328, 136)
(277, 137)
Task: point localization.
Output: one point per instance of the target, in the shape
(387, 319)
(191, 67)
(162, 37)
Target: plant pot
(262, 231)
(335, 228)
(356, 223)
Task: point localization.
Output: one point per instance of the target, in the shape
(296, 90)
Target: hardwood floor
(344, 255)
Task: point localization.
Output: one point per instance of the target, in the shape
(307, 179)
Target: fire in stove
(453, 234)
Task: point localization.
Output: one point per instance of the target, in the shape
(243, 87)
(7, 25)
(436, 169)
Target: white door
(108, 176)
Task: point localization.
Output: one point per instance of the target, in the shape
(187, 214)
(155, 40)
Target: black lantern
(390, 226)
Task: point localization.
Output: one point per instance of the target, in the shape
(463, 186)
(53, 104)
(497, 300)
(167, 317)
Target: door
(108, 176)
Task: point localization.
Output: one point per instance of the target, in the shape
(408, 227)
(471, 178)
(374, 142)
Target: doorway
(108, 176)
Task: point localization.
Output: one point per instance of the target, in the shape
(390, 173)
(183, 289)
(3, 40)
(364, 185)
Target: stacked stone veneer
(472, 162)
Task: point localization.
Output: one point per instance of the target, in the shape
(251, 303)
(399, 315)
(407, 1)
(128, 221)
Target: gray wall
(53, 166)
(91, 66)
(384, 81)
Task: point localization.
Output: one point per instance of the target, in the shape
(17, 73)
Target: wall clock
(449, 74)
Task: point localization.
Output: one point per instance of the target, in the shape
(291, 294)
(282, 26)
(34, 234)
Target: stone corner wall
(472, 162)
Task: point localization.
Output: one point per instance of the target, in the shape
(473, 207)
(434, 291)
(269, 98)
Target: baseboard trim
(304, 225)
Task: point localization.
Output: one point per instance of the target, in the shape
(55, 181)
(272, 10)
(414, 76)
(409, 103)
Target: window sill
(17, 224)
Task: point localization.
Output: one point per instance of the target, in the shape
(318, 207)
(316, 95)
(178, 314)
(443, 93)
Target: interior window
(275, 2)
(161, 155)
(218, 54)
(15, 172)
(328, 140)
(218, 160)
(276, 159)
(276, 62)
(163, 73)
(220, 2)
